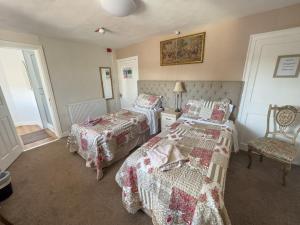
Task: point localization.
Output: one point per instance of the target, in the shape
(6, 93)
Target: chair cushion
(273, 148)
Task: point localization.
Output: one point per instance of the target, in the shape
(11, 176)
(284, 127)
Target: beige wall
(7, 35)
(225, 50)
(74, 73)
(73, 68)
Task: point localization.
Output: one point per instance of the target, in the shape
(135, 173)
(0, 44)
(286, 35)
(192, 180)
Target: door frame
(136, 58)
(45, 78)
(36, 83)
(249, 76)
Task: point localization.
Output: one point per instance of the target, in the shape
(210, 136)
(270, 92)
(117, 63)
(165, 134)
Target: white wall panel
(261, 88)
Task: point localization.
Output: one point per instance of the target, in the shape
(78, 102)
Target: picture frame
(183, 50)
(106, 83)
(127, 73)
(287, 66)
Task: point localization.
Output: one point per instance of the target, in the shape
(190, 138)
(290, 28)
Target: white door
(128, 75)
(10, 145)
(36, 84)
(261, 88)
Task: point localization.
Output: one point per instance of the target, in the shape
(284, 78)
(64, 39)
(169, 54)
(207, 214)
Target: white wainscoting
(261, 89)
(81, 111)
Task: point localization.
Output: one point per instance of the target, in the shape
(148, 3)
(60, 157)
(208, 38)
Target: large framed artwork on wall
(182, 50)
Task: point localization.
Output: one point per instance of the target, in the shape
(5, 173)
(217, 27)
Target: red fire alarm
(108, 50)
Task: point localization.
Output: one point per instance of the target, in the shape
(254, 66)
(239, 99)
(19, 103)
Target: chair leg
(261, 158)
(4, 221)
(285, 170)
(250, 157)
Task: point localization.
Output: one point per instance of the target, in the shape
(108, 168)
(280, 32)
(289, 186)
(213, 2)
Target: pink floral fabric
(190, 194)
(183, 202)
(100, 140)
(213, 111)
(203, 156)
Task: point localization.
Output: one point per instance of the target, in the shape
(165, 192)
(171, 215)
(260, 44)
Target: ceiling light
(119, 7)
(100, 30)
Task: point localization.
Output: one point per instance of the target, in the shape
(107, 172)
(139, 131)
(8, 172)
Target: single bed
(178, 176)
(103, 140)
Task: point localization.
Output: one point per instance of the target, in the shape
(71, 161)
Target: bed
(178, 176)
(106, 139)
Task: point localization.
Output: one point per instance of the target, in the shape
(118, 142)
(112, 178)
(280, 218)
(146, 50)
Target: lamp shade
(178, 87)
(119, 7)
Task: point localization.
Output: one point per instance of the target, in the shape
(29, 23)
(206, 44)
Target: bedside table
(168, 117)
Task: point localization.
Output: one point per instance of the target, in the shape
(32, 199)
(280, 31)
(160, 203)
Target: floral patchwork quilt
(99, 140)
(179, 175)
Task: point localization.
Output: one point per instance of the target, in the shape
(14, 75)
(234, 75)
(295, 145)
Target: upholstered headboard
(210, 90)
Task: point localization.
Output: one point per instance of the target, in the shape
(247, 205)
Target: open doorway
(22, 85)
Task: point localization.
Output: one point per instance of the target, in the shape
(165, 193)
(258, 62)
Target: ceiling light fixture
(119, 8)
(100, 30)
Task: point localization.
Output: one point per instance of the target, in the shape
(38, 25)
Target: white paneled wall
(261, 88)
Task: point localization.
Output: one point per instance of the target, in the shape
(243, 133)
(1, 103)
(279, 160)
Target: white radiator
(81, 111)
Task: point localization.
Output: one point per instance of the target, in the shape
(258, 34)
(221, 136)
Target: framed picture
(106, 82)
(182, 50)
(127, 73)
(287, 66)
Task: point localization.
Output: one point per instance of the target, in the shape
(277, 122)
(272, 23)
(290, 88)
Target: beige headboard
(210, 90)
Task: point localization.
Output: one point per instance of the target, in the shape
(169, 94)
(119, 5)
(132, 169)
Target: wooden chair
(281, 145)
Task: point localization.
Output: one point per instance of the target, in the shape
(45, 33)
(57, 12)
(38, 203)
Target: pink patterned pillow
(192, 108)
(212, 111)
(215, 111)
(148, 101)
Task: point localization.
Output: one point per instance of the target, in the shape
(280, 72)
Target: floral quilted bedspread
(98, 140)
(184, 185)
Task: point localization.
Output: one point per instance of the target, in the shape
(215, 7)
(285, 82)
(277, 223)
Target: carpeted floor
(53, 186)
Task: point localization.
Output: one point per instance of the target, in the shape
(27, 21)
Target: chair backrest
(283, 118)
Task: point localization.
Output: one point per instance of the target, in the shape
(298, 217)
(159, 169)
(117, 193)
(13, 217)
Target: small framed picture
(127, 73)
(287, 66)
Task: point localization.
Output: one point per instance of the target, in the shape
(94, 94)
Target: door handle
(121, 95)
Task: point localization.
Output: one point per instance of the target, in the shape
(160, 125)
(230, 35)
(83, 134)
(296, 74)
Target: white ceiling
(77, 19)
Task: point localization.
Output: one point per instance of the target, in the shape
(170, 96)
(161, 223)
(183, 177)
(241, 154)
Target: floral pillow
(148, 101)
(213, 111)
(192, 108)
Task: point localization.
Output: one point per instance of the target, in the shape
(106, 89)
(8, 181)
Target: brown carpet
(53, 186)
(34, 136)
